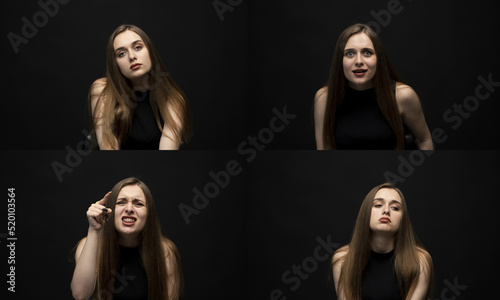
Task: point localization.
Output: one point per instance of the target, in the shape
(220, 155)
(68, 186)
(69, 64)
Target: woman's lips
(128, 220)
(135, 66)
(359, 72)
(385, 220)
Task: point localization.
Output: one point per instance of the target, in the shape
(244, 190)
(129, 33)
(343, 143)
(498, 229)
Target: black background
(50, 217)
(266, 220)
(262, 55)
(452, 199)
(45, 93)
(438, 47)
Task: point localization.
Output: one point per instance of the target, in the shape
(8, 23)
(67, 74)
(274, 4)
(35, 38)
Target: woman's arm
(337, 261)
(422, 287)
(319, 116)
(413, 116)
(174, 275)
(96, 106)
(84, 276)
(168, 140)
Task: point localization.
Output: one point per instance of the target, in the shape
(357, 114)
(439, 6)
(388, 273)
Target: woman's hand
(98, 213)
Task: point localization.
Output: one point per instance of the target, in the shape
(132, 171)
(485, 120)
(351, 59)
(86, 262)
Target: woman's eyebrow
(133, 43)
(382, 199)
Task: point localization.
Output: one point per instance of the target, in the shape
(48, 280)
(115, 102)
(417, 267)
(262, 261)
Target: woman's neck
(128, 241)
(382, 243)
(141, 84)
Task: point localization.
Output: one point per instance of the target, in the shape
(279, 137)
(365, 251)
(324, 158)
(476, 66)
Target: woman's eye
(349, 54)
(378, 205)
(138, 48)
(395, 208)
(121, 54)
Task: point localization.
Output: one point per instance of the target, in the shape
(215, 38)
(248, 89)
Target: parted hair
(153, 247)
(408, 252)
(384, 82)
(115, 105)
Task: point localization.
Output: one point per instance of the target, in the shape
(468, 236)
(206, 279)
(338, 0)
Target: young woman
(384, 259)
(125, 255)
(137, 105)
(365, 104)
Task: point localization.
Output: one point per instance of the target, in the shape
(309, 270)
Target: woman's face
(130, 210)
(360, 61)
(132, 56)
(386, 211)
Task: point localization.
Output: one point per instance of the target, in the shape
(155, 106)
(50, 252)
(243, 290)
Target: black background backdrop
(46, 90)
(452, 199)
(265, 221)
(438, 47)
(263, 55)
(50, 217)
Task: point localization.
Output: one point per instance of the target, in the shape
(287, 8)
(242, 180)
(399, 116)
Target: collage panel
(248, 208)
(432, 46)
(198, 200)
(55, 50)
(304, 207)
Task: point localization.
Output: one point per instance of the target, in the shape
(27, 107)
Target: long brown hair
(407, 252)
(383, 84)
(151, 247)
(116, 112)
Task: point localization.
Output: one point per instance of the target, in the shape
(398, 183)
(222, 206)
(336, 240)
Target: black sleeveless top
(379, 281)
(144, 133)
(130, 280)
(360, 124)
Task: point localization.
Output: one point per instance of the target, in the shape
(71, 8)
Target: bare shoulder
(340, 254)
(321, 96)
(95, 92)
(424, 258)
(97, 86)
(405, 95)
(168, 247)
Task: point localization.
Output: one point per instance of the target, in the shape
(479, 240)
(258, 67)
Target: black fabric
(130, 281)
(144, 134)
(379, 281)
(360, 124)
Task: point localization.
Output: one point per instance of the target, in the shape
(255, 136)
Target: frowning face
(130, 211)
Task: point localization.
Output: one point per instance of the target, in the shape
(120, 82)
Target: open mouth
(128, 220)
(359, 72)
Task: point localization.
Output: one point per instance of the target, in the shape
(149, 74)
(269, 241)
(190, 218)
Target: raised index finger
(104, 200)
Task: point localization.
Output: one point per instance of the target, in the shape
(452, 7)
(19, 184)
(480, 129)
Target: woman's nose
(128, 207)
(359, 60)
(131, 55)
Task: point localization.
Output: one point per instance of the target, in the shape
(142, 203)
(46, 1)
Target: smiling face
(386, 211)
(132, 56)
(130, 211)
(360, 61)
